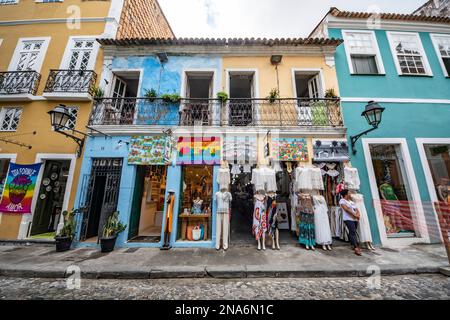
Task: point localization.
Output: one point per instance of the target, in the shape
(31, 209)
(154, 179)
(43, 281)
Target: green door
(137, 202)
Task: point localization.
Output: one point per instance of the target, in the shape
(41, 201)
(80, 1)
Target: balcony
(18, 85)
(77, 85)
(212, 112)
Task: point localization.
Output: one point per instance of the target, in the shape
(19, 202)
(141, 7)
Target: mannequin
(169, 216)
(364, 232)
(259, 227)
(197, 205)
(274, 232)
(321, 222)
(223, 198)
(306, 227)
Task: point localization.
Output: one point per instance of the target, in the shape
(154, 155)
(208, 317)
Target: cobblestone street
(419, 287)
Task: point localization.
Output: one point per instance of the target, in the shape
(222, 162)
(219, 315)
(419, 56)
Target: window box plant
(65, 237)
(274, 94)
(112, 228)
(150, 95)
(222, 96)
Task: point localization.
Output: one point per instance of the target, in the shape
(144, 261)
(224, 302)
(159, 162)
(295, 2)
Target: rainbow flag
(19, 188)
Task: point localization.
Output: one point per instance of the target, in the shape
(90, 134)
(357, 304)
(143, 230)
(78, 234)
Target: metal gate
(111, 168)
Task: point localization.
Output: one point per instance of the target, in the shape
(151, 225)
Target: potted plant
(171, 98)
(65, 237)
(97, 93)
(274, 94)
(330, 93)
(150, 94)
(222, 96)
(111, 229)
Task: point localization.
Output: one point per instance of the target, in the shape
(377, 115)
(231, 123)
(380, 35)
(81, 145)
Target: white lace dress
(363, 226)
(351, 178)
(321, 221)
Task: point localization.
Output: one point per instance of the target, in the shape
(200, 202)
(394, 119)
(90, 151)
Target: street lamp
(372, 113)
(59, 117)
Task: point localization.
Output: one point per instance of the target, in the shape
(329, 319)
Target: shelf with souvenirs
(195, 204)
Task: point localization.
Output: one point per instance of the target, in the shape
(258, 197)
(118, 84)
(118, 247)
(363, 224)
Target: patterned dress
(259, 219)
(306, 211)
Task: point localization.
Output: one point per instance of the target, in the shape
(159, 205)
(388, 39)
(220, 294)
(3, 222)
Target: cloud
(263, 18)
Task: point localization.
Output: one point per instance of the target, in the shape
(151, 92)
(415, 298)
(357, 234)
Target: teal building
(402, 62)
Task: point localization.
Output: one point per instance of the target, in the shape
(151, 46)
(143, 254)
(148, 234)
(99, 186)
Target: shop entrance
(241, 207)
(102, 193)
(50, 199)
(148, 204)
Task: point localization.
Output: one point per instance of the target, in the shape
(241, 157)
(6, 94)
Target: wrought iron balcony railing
(19, 82)
(71, 81)
(212, 112)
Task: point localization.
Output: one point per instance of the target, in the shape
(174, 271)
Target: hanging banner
(290, 149)
(149, 150)
(198, 150)
(19, 188)
(240, 149)
(330, 150)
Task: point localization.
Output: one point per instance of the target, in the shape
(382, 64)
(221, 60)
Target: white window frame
(377, 53)
(76, 117)
(9, 3)
(70, 43)
(421, 234)
(2, 118)
(434, 39)
(308, 71)
(421, 142)
(426, 64)
(40, 59)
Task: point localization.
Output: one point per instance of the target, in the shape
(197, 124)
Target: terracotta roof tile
(388, 16)
(222, 42)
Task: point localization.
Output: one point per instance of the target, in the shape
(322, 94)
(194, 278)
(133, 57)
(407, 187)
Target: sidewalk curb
(217, 272)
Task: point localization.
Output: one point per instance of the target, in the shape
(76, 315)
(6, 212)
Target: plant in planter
(222, 96)
(330, 93)
(171, 98)
(274, 94)
(98, 93)
(65, 237)
(112, 228)
(151, 94)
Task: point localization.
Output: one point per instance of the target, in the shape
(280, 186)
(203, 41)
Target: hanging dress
(321, 222)
(363, 226)
(306, 227)
(273, 216)
(259, 218)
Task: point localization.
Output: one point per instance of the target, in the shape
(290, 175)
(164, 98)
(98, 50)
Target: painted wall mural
(149, 150)
(19, 188)
(290, 149)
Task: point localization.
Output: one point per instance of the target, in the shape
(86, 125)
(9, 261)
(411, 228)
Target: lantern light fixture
(373, 114)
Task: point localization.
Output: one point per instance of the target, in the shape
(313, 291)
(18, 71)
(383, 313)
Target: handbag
(196, 233)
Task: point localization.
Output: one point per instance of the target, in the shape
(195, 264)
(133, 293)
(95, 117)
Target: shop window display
(394, 190)
(438, 157)
(194, 220)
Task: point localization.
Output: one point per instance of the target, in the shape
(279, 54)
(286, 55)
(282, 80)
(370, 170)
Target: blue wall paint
(391, 85)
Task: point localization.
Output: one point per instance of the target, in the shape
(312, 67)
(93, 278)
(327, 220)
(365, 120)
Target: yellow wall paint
(29, 9)
(267, 75)
(34, 114)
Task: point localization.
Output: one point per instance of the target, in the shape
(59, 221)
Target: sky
(264, 18)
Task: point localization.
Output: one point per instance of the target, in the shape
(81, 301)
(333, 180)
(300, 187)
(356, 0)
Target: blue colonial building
(402, 62)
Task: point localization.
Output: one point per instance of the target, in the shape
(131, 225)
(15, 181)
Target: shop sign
(198, 150)
(149, 150)
(107, 162)
(290, 149)
(330, 150)
(19, 188)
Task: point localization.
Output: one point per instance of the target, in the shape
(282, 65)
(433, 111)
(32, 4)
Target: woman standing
(351, 216)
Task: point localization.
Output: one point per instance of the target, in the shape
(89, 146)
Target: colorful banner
(290, 149)
(198, 150)
(330, 150)
(149, 150)
(19, 188)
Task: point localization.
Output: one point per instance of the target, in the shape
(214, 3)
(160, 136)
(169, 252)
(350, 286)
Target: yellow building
(49, 56)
